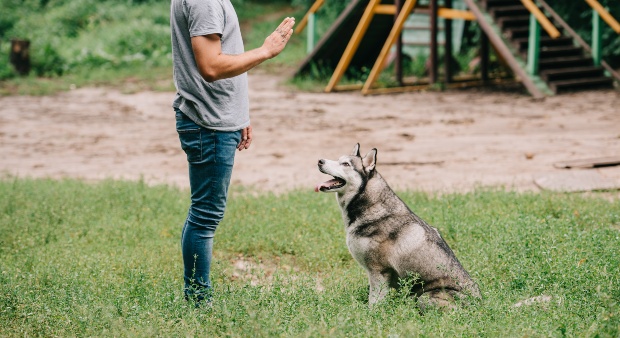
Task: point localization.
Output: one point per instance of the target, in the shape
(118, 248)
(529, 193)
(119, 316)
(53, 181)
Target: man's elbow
(209, 75)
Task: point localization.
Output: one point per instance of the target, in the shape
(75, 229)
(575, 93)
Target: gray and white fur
(391, 242)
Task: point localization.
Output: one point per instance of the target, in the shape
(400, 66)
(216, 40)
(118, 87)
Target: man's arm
(213, 65)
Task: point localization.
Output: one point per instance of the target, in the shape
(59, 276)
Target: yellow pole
(610, 20)
(541, 18)
(455, 14)
(396, 29)
(304, 21)
(354, 43)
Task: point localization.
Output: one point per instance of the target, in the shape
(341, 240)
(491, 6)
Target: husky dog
(391, 242)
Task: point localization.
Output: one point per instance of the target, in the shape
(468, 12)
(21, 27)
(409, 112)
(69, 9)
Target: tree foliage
(68, 34)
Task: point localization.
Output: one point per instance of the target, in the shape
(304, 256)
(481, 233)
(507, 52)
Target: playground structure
(543, 52)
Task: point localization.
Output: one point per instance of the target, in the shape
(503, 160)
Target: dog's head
(349, 172)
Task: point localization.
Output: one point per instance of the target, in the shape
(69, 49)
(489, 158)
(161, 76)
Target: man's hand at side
(246, 138)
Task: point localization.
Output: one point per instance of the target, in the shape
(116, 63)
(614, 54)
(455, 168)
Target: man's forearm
(225, 66)
(214, 65)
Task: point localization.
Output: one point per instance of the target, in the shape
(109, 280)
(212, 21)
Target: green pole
(533, 48)
(311, 32)
(596, 38)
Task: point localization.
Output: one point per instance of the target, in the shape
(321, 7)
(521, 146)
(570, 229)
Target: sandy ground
(431, 141)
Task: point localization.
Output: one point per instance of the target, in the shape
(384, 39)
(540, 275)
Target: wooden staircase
(562, 65)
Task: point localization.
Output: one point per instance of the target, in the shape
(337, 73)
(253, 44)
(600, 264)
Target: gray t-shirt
(222, 104)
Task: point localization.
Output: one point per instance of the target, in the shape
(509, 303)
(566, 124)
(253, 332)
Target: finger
(288, 25)
(281, 25)
(291, 22)
(244, 136)
(287, 37)
(249, 135)
(285, 28)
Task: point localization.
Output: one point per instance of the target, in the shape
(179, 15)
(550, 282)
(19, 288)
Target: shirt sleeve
(204, 17)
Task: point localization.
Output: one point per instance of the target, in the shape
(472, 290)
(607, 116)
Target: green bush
(135, 41)
(76, 36)
(6, 70)
(67, 36)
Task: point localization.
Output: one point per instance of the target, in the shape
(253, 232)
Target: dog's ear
(370, 160)
(356, 150)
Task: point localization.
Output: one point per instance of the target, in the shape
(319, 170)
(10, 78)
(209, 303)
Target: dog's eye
(346, 164)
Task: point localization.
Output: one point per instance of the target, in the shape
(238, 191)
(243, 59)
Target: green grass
(103, 259)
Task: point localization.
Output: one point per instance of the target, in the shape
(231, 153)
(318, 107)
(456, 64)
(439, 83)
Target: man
(212, 117)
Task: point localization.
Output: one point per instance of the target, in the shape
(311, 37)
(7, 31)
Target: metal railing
(598, 13)
(576, 37)
(537, 19)
(310, 20)
(605, 15)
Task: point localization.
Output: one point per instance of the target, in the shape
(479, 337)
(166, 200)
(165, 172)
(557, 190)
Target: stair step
(561, 64)
(513, 21)
(560, 74)
(581, 83)
(509, 11)
(499, 3)
(564, 62)
(559, 51)
(545, 41)
(518, 32)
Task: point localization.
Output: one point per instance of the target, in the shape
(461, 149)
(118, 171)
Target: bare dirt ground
(430, 141)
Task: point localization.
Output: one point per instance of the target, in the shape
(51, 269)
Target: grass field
(103, 259)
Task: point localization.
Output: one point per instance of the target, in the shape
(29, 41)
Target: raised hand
(276, 41)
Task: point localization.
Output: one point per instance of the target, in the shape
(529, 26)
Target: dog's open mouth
(332, 184)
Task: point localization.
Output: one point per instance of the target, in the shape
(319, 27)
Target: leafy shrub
(6, 70)
(136, 41)
(68, 35)
(46, 60)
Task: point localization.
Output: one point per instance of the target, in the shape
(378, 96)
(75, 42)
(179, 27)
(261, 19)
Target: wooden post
(433, 54)
(502, 49)
(447, 24)
(396, 30)
(398, 62)
(484, 56)
(353, 44)
(20, 56)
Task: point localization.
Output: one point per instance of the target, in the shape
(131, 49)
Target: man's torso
(220, 105)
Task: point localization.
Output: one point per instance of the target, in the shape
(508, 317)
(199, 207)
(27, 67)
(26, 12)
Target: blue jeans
(211, 155)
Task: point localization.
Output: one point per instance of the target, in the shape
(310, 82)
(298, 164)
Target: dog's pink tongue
(319, 186)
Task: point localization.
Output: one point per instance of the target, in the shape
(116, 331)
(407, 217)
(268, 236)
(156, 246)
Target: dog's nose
(321, 162)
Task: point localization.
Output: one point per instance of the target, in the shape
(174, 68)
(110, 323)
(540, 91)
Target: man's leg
(211, 158)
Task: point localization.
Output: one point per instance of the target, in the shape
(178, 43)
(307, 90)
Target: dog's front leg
(379, 286)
